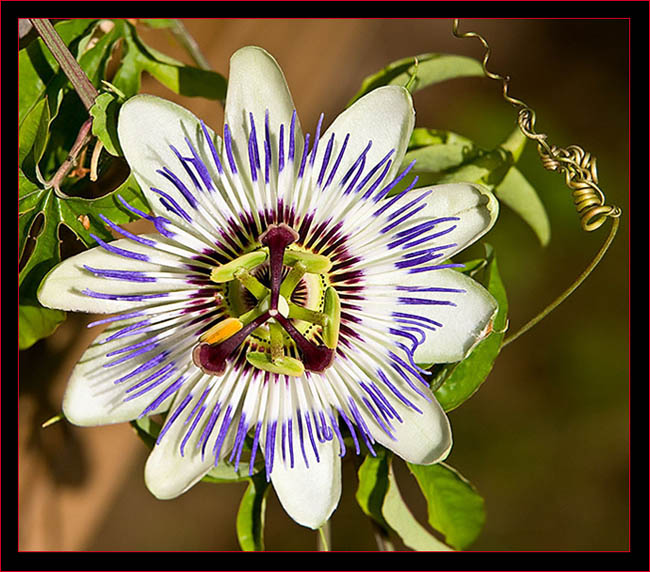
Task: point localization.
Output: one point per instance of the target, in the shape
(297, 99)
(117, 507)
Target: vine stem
(78, 78)
(583, 276)
(83, 138)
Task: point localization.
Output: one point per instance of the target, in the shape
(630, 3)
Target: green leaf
(518, 194)
(454, 506)
(401, 520)
(80, 215)
(421, 71)
(104, 113)
(373, 485)
(379, 497)
(32, 139)
(436, 151)
(446, 157)
(182, 79)
(38, 71)
(157, 23)
(456, 383)
(251, 514)
(35, 323)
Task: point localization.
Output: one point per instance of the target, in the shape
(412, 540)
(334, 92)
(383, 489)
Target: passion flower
(288, 298)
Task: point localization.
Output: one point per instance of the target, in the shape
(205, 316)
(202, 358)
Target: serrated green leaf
(454, 506)
(455, 383)
(421, 71)
(518, 194)
(251, 514)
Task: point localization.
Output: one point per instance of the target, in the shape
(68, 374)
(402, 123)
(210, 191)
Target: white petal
(309, 495)
(147, 126)
(256, 85)
(167, 473)
(91, 396)
(62, 288)
(384, 116)
(422, 438)
(474, 205)
(463, 325)
(413, 424)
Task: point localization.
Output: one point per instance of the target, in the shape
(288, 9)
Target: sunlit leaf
(38, 72)
(156, 22)
(104, 113)
(457, 382)
(421, 71)
(454, 506)
(372, 487)
(35, 323)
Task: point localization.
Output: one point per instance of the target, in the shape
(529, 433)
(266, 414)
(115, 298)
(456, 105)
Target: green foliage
(50, 117)
(446, 157)
(454, 506)
(421, 71)
(379, 497)
(252, 510)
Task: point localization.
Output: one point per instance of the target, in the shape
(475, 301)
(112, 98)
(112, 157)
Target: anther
(221, 331)
(226, 272)
(332, 310)
(212, 358)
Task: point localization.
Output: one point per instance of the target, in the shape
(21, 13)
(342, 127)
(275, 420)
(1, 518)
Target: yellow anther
(221, 331)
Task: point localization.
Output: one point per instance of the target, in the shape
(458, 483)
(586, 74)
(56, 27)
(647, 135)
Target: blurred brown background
(545, 440)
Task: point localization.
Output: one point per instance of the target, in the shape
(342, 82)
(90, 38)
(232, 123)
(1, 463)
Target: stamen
(301, 313)
(226, 272)
(313, 263)
(332, 310)
(221, 331)
(211, 359)
(281, 366)
(316, 358)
